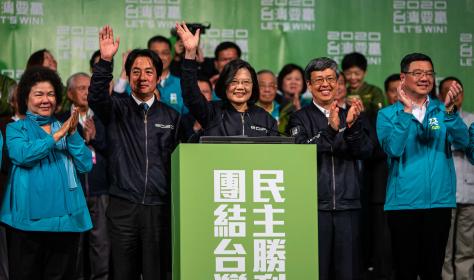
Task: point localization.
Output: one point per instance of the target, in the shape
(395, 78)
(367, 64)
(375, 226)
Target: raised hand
(108, 47)
(190, 41)
(89, 130)
(354, 111)
(404, 99)
(454, 90)
(334, 120)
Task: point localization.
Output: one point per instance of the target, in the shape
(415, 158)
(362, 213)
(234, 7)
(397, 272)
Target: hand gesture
(190, 41)
(73, 120)
(454, 90)
(404, 99)
(67, 126)
(89, 130)
(108, 47)
(354, 111)
(334, 120)
(296, 101)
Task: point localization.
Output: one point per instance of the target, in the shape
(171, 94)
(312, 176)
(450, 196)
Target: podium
(244, 211)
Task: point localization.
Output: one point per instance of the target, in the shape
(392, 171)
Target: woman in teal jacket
(44, 205)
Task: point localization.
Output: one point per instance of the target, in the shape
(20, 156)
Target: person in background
(141, 135)
(470, 148)
(44, 206)
(341, 92)
(391, 85)
(94, 246)
(291, 84)
(237, 86)
(417, 133)
(191, 127)
(341, 141)
(267, 83)
(459, 258)
(354, 66)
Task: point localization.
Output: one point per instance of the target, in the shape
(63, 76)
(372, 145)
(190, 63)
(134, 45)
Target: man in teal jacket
(417, 133)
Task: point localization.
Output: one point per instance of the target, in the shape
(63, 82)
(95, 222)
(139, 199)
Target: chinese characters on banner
(231, 220)
(420, 16)
(287, 15)
(76, 41)
(465, 49)
(152, 14)
(21, 12)
(344, 42)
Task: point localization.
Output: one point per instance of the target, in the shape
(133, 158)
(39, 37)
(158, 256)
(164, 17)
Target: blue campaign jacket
(421, 168)
(41, 193)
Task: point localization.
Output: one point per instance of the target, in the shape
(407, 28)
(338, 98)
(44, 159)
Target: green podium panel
(244, 211)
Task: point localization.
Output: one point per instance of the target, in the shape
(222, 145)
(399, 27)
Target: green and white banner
(244, 213)
(271, 33)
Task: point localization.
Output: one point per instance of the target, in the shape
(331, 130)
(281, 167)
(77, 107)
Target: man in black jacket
(141, 135)
(341, 140)
(94, 244)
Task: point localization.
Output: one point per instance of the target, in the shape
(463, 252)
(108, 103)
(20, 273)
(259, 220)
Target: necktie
(144, 107)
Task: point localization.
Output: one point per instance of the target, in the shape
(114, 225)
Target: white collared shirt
(163, 81)
(324, 111)
(149, 102)
(419, 112)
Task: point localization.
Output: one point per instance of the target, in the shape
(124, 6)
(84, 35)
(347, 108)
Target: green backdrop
(270, 32)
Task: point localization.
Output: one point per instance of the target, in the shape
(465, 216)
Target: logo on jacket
(295, 130)
(166, 126)
(258, 128)
(433, 123)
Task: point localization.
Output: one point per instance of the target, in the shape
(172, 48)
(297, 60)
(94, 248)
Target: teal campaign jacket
(43, 192)
(421, 168)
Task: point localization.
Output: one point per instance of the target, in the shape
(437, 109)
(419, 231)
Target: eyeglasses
(419, 73)
(320, 81)
(245, 83)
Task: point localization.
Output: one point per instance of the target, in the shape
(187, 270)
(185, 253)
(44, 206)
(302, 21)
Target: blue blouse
(43, 192)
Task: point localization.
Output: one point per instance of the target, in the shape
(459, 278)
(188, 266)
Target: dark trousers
(419, 240)
(41, 255)
(339, 255)
(140, 236)
(3, 254)
(94, 245)
(381, 243)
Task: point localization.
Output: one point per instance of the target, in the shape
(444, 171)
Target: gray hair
(320, 64)
(73, 77)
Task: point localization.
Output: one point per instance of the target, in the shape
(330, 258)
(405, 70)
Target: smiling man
(417, 133)
(341, 140)
(141, 134)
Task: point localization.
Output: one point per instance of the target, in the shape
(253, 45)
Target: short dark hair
(155, 59)
(392, 78)
(228, 74)
(286, 70)
(158, 39)
(93, 57)
(202, 78)
(30, 78)
(449, 78)
(227, 45)
(36, 58)
(409, 58)
(320, 64)
(354, 59)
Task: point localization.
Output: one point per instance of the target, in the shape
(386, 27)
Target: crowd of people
(86, 167)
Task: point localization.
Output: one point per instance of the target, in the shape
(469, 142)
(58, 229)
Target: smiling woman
(44, 205)
(238, 88)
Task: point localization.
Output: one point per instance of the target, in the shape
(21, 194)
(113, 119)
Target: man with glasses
(417, 133)
(341, 140)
